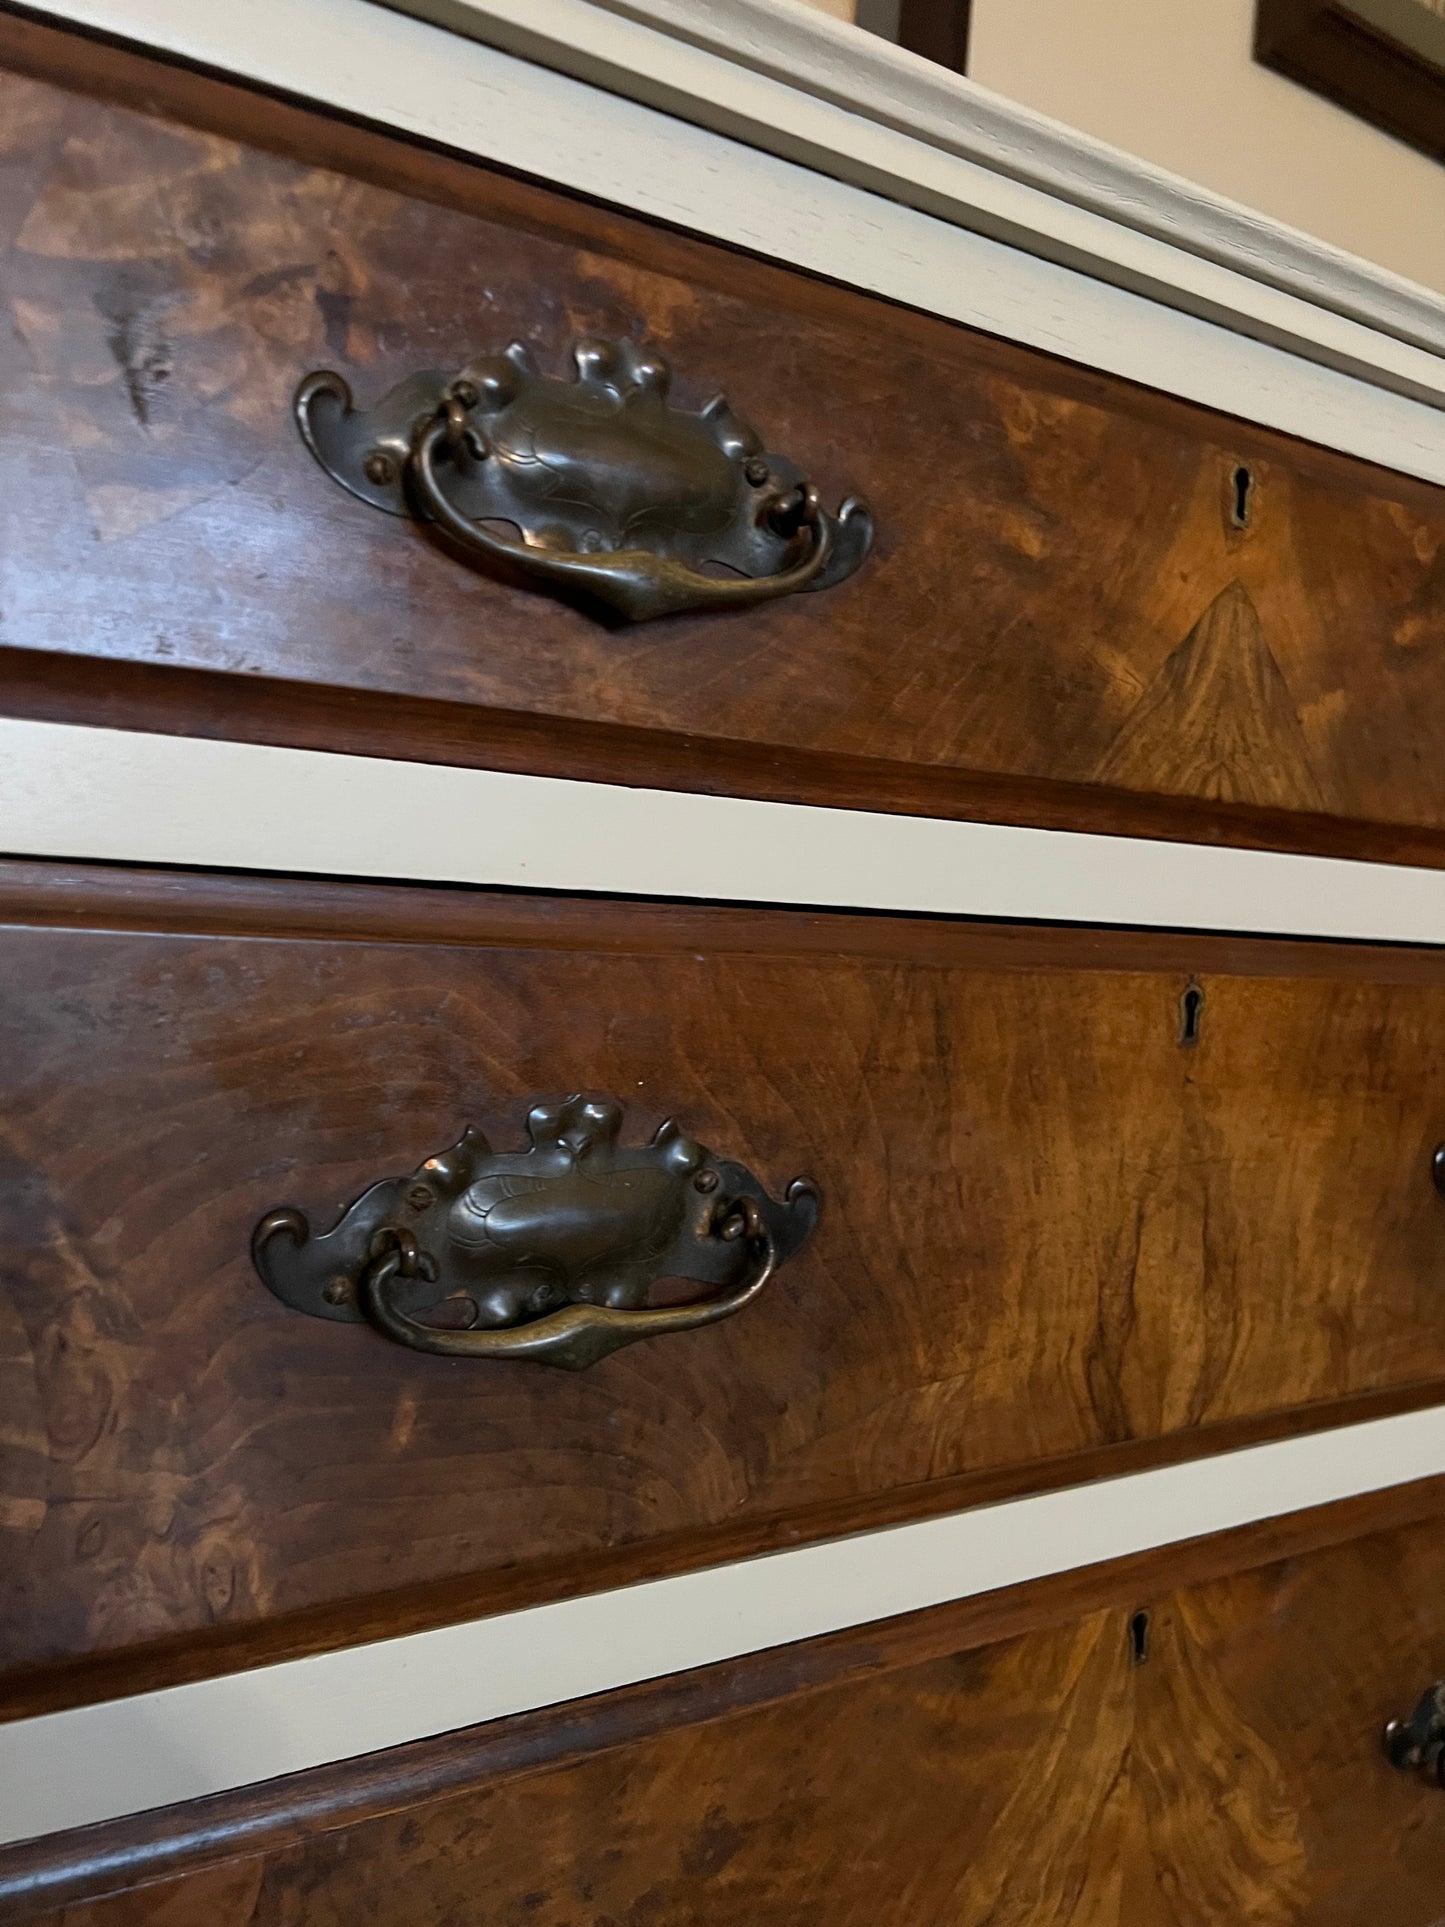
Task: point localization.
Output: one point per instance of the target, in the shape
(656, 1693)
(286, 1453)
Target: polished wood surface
(1068, 617)
(1183, 1738)
(1056, 1240)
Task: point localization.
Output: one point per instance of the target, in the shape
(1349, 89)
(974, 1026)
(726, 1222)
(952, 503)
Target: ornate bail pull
(550, 1254)
(614, 493)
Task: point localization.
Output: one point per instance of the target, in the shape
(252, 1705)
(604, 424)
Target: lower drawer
(1090, 1200)
(1188, 1739)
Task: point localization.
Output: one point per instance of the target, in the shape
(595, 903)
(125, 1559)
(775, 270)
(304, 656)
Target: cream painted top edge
(90, 794)
(822, 58)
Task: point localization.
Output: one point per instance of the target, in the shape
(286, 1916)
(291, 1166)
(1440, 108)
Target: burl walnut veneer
(1088, 604)
(1090, 1201)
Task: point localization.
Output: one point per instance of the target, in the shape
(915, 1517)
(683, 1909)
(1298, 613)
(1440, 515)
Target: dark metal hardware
(1241, 498)
(1437, 1169)
(550, 1254)
(1191, 1011)
(1417, 1745)
(613, 492)
(1139, 1631)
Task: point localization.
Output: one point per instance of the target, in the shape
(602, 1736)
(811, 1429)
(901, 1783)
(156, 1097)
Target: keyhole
(1241, 498)
(1139, 1639)
(1191, 1012)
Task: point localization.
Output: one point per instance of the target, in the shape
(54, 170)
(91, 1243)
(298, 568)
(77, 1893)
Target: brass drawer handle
(614, 492)
(1417, 1745)
(548, 1254)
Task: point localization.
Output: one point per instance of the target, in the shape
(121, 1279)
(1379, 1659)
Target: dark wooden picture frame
(937, 29)
(1383, 59)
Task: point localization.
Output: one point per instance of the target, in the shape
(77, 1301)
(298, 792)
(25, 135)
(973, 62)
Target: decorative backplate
(613, 491)
(553, 1253)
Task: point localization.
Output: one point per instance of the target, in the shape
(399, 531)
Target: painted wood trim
(1202, 331)
(96, 1763)
(119, 796)
(165, 700)
(828, 60)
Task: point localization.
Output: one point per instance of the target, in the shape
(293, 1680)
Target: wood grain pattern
(943, 1769)
(1051, 1234)
(1056, 600)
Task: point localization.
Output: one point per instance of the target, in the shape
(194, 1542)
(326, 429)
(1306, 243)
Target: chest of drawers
(841, 1223)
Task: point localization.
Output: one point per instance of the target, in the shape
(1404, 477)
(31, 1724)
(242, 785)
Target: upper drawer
(1089, 1201)
(1086, 603)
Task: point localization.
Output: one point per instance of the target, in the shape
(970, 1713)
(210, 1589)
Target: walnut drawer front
(1182, 1739)
(1087, 604)
(1090, 1201)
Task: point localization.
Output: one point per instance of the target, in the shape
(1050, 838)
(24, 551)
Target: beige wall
(1174, 81)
